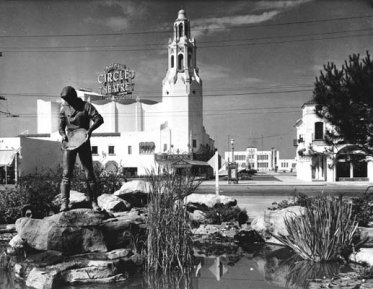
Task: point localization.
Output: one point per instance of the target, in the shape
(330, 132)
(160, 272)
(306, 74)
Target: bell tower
(182, 89)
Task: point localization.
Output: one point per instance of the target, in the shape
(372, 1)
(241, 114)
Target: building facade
(318, 161)
(262, 161)
(137, 133)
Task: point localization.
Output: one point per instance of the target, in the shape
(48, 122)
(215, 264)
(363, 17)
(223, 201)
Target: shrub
(169, 243)
(324, 233)
(39, 189)
(362, 209)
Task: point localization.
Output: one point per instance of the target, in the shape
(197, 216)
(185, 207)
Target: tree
(344, 98)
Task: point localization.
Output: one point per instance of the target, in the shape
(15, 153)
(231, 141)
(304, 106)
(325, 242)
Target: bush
(38, 190)
(362, 209)
(324, 233)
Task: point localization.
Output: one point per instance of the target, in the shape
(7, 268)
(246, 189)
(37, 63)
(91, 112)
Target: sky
(257, 59)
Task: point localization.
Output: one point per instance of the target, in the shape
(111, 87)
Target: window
(94, 150)
(165, 147)
(111, 150)
(262, 165)
(180, 64)
(262, 157)
(319, 130)
(239, 157)
(146, 147)
(181, 32)
(194, 143)
(172, 61)
(129, 150)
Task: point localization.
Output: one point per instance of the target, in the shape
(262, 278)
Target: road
(260, 193)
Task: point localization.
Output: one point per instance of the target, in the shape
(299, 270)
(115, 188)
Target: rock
(71, 232)
(134, 186)
(366, 233)
(77, 200)
(47, 269)
(16, 242)
(210, 200)
(365, 255)
(113, 203)
(272, 223)
(246, 238)
(197, 216)
(38, 279)
(135, 192)
(122, 230)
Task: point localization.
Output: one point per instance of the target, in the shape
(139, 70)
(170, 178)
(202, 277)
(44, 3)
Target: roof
(310, 102)
(125, 101)
(6, 157)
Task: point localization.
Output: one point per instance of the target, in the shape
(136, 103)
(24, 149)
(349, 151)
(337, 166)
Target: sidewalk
(286, 180)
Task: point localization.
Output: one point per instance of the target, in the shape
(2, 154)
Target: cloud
(204, 25)
(285, 4)
(117, 15)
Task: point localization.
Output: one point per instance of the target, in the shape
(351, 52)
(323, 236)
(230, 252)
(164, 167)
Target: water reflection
(270, 267)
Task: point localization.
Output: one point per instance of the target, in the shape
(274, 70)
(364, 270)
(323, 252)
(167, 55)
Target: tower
(182, 89)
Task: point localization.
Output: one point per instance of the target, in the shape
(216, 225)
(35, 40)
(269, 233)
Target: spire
(182, 48)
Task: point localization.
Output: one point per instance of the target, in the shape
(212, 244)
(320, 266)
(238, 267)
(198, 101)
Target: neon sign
(116, 80)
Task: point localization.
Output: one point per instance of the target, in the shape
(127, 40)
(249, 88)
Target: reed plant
(324, 232)
(169, 242)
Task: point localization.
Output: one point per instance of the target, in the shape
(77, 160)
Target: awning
(6, 157)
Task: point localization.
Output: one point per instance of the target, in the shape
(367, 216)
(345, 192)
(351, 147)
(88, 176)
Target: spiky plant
(169, 243)
(324, 232)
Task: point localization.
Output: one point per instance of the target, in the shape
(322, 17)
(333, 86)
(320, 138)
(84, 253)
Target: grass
(324, 233)
(169, 242)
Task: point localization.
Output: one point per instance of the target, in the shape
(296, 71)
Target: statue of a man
(77, 114)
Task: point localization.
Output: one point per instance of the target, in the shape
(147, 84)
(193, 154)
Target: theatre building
(139, 135)
(318, 161)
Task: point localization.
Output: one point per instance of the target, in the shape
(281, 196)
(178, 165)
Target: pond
(267, 267)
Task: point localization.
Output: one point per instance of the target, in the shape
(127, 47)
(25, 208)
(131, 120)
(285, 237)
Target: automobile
(246, 174)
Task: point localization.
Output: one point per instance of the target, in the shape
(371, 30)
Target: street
(261, 192)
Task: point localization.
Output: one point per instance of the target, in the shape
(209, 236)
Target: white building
(317, 161)
(139, 134)
(262, 161)
(22, 155)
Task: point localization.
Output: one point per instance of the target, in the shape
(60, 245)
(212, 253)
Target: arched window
(319, 130)
(172, 61)
(180, 64)
(190, 55)
(181, 32)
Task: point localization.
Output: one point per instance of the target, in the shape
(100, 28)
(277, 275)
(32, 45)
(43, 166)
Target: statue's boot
(65, 196)
(92, 196)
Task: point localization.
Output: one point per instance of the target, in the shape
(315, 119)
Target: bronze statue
(76, 116)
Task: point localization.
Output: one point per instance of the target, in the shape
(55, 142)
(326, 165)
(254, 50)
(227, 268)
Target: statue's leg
(85, 156)
(68, 162)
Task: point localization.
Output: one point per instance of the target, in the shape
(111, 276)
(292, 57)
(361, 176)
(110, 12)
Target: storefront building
(317, 161)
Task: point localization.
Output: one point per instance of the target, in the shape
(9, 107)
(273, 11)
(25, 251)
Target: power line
(360, 17)
(200, 47)
(204, 95)
(92, 47)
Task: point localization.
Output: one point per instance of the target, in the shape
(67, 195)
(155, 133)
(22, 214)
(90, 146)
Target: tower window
(181, 32)
(181, 61)
(319, 130)
(190, 55)
(194, 143)
(172, 61)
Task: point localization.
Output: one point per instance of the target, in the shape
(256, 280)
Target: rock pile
(81, 245)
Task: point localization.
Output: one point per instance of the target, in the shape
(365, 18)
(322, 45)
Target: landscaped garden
(160, 229)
